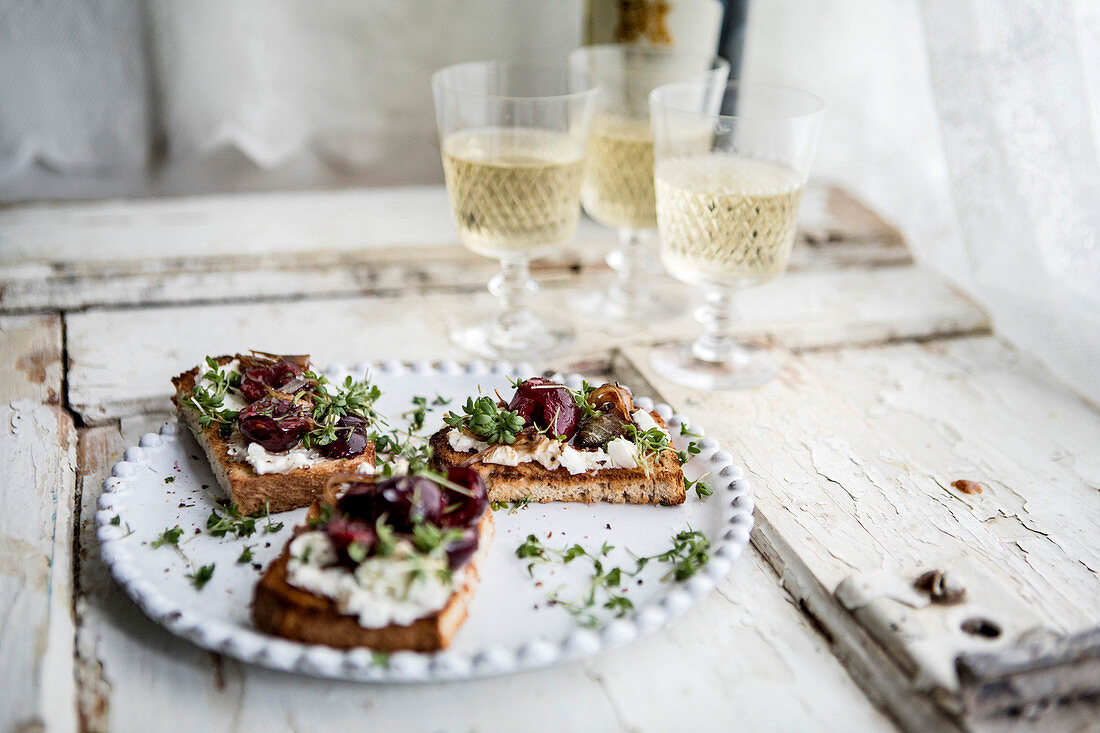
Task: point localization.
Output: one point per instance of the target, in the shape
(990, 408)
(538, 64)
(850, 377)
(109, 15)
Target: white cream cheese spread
(623, 453)
(463, 443)
(551, 454)
(645, 421)
(381, 590)
(232, 400)
(264, 461)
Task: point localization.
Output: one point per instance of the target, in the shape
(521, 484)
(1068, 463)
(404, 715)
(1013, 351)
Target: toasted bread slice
(284, 610)
(251, 491)
(664, 484)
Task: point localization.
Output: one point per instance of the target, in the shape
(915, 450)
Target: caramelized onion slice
(614, 395)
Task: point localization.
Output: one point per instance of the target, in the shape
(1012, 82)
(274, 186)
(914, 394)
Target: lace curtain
(127, 97)
(1017, 89)
(974, 126)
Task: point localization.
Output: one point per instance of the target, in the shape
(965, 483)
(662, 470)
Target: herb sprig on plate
(199, 576)
(232, 522)
(688, 554)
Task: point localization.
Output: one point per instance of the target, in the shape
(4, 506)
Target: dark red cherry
(345, 532)
(407, 501)
(256, 380)
(276, 424)
(351, 438)
(545, 403)
(358, 501)
(464, 510)
(461, 550)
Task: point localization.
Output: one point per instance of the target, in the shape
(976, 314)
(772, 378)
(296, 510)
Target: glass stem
(629, 262)
(717, 315)
(513, 286)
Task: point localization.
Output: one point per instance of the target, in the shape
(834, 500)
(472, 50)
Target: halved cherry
(275, 423)
(461, 550)
(345, 532)
(358, 501)
(545, 403)
(408, 500)
(464, 509)
(351, 438)
(256, 380)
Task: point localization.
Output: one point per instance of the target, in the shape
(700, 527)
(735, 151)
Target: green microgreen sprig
(171, 538)
(699, 486)
(350, 397)
(232, 522)
(209, 401)
(685, 455)
(486, 419)
(201, 576)
(649, 443)
(580, 398)
(511, 506)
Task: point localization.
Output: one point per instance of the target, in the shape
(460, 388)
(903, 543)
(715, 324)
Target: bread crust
(251, 491)
(664, 483)
(283, 610)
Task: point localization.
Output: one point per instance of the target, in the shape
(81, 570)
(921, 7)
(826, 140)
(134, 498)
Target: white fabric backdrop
(73, 83)
(973, 125)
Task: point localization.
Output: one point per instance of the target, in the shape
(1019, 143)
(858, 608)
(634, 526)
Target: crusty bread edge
(283, 610)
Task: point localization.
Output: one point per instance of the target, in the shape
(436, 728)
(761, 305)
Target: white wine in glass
(727, 219)
(513, 189)
(727, 215)
(618, 179)
(512, 137)
(618, 184)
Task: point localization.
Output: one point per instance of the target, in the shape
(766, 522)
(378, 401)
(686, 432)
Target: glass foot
(526, 339)
(744, 367)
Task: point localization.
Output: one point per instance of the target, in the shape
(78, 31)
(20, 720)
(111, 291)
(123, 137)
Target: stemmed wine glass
(513, 140)
(617, 190)
(727, 208)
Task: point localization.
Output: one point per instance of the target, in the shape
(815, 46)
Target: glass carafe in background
(618, 180)
(513, 137)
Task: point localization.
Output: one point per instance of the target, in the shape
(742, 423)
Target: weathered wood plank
(327, 248)
(121, 360)
(30, 359)
(855, 452)
(37, 445)
(321, 221)
(745, 656)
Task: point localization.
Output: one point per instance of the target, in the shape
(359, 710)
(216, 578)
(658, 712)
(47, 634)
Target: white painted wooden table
(894, 389)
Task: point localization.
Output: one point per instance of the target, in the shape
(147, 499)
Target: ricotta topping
(463, 443)
(551, 454)
(264, 461)
(379, 591)
(645, 421)
(233, 400)
(506, 455)
(623, 453)
(578, 461)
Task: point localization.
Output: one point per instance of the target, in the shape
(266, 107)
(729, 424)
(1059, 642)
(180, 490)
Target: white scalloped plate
(510, 628)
